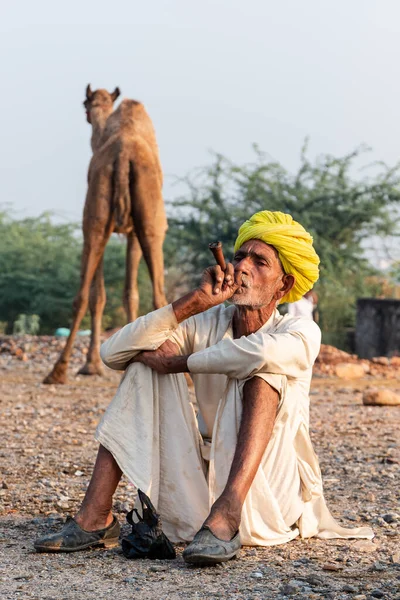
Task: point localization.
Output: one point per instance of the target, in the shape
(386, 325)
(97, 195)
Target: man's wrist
(177, 364)
(191, 304)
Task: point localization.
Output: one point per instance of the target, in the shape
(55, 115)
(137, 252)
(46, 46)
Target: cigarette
(216, 249)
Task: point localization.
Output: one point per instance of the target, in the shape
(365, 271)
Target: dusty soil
(46, 455)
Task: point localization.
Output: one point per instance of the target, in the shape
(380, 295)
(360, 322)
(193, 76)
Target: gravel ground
(46, 456)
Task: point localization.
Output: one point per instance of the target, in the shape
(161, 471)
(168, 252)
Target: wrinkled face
(262, 274)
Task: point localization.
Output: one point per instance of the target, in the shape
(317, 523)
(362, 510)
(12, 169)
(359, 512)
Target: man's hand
(217, 286)
(164, 360)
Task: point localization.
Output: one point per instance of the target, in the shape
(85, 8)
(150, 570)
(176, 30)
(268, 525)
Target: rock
(378, 567)
(365, 546)
(4, 485)
(331, 355)
(257, 575)
(390, 518)
(377, 594)
(381, 397)
(360, 597)
(351, 589)
(349, 371)
(332, 567)
(396, 558)
(130, 580)
(158, 568)
(395, 361)
(314, 580)
(381, 360)
(122, 507)
(289, 590)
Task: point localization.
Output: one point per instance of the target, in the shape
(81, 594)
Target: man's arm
(143, 340)
(145, 333)
(215, 287)
(288, 353)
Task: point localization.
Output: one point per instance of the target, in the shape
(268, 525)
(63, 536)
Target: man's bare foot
(93, 522)
(224, 518)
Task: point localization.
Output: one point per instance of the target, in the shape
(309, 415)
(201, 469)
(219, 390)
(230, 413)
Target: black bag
(147, 539)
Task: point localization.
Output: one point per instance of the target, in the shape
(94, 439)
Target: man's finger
(218, 279)
(228, 276)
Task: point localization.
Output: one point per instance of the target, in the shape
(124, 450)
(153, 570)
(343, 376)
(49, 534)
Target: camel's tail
(121, 196)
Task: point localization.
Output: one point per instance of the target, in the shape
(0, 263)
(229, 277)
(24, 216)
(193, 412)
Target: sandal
(73, 538)
(207, 549)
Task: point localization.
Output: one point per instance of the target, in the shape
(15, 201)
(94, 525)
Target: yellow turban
(293, 244)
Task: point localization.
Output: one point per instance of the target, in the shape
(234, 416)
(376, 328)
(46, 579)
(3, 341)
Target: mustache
(246, 283)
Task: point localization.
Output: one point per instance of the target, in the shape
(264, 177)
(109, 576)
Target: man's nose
(243, 265)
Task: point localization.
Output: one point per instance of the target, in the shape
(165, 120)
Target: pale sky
(214, 75)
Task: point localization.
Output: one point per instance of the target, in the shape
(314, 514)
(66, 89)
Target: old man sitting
(237, 467)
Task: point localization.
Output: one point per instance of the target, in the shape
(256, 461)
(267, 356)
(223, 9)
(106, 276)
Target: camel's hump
(130, 118)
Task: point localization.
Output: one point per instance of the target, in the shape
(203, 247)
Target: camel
(124, 195)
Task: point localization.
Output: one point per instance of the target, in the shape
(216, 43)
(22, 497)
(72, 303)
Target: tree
(339, 210)
(40, 269)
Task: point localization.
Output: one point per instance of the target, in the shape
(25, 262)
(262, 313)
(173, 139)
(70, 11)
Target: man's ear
(288, 282)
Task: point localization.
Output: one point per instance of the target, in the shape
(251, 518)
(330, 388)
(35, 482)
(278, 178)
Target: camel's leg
(97, 302)
(97, 228)
(153, 254)
(93, 251)
(150, 226)
(131, 292)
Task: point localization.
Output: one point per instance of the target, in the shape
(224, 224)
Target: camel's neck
(99, 120)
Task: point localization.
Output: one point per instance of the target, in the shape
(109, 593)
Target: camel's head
(99, 100)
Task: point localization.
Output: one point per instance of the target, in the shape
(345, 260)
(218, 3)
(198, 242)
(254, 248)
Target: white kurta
(182, 460)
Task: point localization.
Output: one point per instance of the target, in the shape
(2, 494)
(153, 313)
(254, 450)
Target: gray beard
(248, 298)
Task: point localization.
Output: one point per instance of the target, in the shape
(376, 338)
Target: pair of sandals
(147, 540)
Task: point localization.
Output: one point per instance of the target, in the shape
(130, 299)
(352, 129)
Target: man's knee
(257, 389)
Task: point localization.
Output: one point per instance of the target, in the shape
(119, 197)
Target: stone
(349, 371)
(314, 580)
(364, 546)
(360, 597)
(382, 397)
(381, 360)
(396, 558)
(378, 567)
(289, 590)
(390, 517)
(377, 594)
(257, 575)
(158, 568)
(351, 589)
(332, 567)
